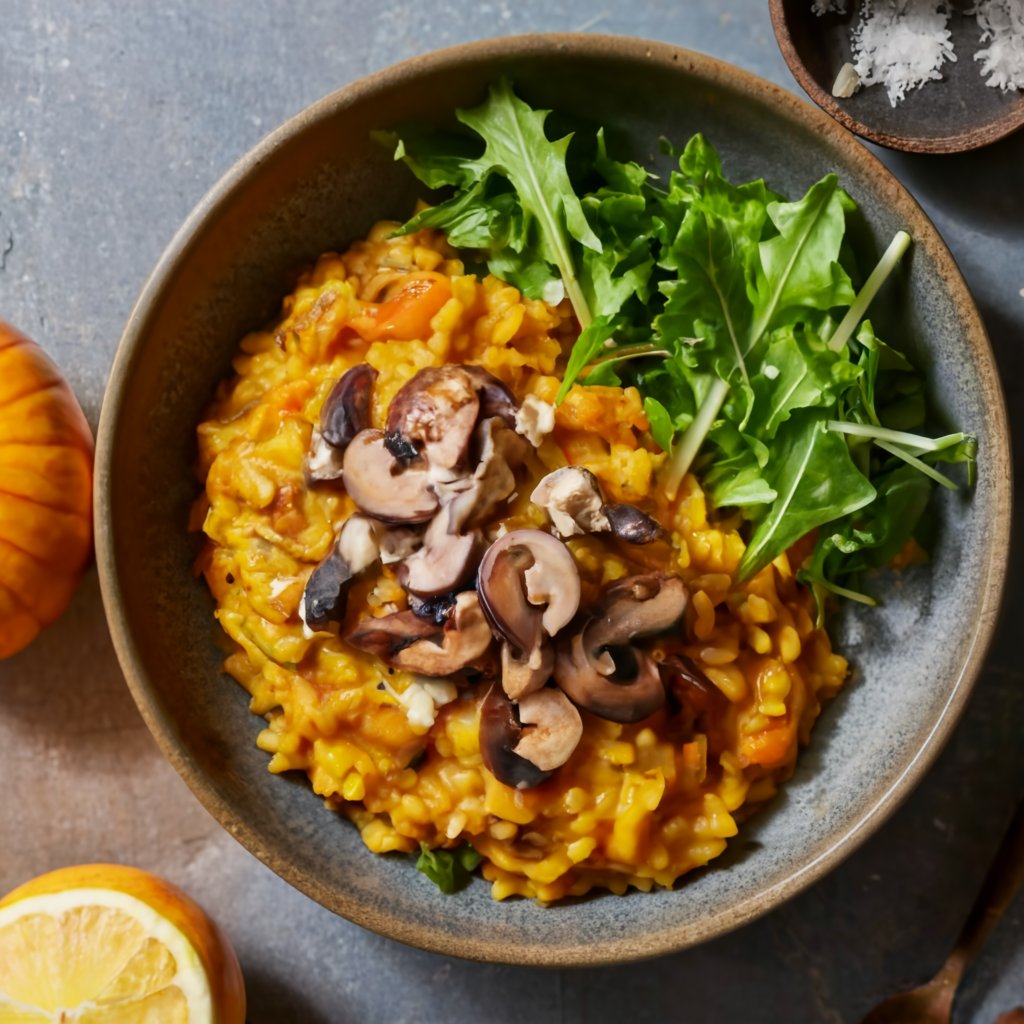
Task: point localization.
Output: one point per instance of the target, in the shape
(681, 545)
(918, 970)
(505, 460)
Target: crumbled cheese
(1002, 26)
(422, 698)
(902, 44)
(771, 372)
(535, 419)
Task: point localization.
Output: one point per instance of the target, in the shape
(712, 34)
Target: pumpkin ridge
(33, 388)
(66, 509)
(19, 601)
(31, 554)
(64, 545)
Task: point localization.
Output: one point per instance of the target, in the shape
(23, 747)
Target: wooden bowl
(317, 183)
(953, 115)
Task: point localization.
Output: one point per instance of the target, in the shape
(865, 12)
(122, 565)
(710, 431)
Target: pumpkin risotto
(472, 615)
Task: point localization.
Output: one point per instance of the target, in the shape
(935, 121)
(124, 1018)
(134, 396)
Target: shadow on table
(272, 1000)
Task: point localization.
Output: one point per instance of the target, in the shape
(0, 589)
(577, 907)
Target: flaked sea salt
(1002, 27)
(901, 44)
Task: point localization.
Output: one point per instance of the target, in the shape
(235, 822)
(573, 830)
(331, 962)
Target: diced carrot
(771, 748)
(408, 314)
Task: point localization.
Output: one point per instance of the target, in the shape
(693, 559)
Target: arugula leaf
(449, 870)
(816, 481)
(516, 149)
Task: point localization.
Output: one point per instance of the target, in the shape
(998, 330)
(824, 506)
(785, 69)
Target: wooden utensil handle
(997, 891)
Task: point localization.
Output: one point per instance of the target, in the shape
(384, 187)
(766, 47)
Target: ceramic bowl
(319, 182)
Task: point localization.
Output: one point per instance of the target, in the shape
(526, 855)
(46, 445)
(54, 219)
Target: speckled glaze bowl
(319, 182)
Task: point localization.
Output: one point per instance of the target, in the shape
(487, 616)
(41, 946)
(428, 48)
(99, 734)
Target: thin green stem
(689, 444)
(913, 460)
(854, 315)
(900, 437)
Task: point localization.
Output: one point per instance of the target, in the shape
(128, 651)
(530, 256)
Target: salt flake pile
(1002, 26)
(902, 44)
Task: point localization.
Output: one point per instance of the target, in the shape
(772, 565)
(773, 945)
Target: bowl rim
(604, 949)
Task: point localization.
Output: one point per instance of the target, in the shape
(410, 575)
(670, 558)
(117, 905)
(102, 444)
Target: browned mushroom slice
(323, 599)
(601, 669)
(387, 635)
(446, 562)
(572, 498)
(628, 523)
(522, 745)
(465, 638)
(524, 570)
(525, 672)
(382, 486)
(471, 501)
(495, 397)
(438, 409)
(345, 412)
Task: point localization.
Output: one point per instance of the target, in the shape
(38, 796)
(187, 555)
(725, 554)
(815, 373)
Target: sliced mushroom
(382, 486)
(552, 729)
(628, 523)
(523, 570)
(438, 409)
(387, 635)
(324, 462)
(472, 500)
(495, 397)
(346, 411)
(525, 673)
(601, 669)
(323, 599)
(522, 746)
(446, 562)
(465, 638)
(433, 609)
(397, 542)
(572, 498)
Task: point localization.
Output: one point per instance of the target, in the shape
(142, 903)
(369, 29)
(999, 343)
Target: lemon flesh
(97, 956)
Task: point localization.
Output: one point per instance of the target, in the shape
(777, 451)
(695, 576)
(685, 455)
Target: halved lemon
(108, 944)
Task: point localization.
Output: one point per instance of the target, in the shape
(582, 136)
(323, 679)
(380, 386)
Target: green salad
(738, 315)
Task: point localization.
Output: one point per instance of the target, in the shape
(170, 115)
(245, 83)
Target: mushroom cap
(438, 408)
(538, 570)
(495, 397)
(446, 562)
(346, 410)
(384, 487)
(636, 607)
(601, 669)
(595, 684)
(628, 523)
(465, 638)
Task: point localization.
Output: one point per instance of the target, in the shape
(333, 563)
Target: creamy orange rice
(636, 804)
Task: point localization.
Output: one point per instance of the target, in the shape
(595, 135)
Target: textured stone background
(114, 120)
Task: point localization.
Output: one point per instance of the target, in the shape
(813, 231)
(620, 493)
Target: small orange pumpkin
(46, 452)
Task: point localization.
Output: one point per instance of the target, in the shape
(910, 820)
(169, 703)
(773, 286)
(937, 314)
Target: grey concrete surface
(115, 117)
